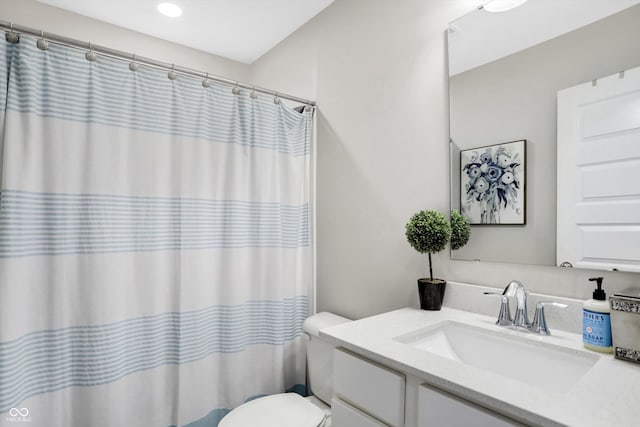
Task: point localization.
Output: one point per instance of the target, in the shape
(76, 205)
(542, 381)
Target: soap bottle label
(596, 329)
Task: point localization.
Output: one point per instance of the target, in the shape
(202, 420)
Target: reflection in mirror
(505, 72)
(598, 212)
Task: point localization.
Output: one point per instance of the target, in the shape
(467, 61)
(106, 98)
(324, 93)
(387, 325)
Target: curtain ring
(172, 74)
(42, 43)
(205, 82)
(236, 89)
(90, 55)
(253, 94)
(276, 99)
(134, 66)
(11, 36)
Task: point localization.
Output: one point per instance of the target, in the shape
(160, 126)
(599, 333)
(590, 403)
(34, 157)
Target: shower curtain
(155, 256)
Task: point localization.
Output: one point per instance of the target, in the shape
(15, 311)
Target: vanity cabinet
(439, 408)
(343, 414)
(362, 387)
(368, 394)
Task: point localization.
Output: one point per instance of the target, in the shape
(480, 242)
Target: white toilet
(290, 409)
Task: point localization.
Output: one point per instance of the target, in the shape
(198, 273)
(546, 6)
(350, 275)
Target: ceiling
(481, 37)
(241, 30)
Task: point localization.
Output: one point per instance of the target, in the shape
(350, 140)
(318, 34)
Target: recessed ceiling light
(171, 10)
(502, 5)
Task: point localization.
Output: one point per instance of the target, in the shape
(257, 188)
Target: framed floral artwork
(492, 184)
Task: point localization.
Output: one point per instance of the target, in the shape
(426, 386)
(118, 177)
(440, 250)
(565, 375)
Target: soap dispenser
(596, 321)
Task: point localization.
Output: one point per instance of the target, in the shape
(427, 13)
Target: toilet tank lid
(322, 320)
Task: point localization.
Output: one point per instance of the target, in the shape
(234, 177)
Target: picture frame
(493, 184)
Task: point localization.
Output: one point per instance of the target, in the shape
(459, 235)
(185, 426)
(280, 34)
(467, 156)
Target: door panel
(598, 223)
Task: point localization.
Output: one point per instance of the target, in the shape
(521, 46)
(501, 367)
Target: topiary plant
(428, 232)
(460, 230)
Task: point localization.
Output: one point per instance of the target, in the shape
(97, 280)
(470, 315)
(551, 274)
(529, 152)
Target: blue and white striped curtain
(155, 256)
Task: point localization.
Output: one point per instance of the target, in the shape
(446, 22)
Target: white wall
(51, 19)
(378, 72)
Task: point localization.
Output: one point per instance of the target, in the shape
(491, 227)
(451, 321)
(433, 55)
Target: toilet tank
(320, 354)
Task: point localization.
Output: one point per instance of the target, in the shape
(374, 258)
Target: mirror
(505, 70)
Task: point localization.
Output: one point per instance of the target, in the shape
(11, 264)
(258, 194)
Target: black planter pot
(431, 293)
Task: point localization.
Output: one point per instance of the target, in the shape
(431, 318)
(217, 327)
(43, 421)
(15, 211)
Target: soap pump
(596, 321)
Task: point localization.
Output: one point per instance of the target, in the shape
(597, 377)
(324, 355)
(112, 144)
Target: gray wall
(515, 98)
(378, 71)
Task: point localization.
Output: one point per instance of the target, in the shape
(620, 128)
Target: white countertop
(607, 395)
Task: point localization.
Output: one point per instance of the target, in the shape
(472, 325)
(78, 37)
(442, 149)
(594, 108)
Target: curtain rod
(10, 27)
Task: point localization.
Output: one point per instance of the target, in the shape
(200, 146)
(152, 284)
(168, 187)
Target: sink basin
(531, 361)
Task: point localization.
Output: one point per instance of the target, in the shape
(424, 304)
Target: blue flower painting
(492, 184)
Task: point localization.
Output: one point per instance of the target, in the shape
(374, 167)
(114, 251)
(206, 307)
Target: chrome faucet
(521, 318)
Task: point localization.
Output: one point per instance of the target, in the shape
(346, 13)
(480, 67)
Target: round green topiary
(428, 231)
(460, 230)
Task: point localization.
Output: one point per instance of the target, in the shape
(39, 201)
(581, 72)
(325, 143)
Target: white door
(598, 223)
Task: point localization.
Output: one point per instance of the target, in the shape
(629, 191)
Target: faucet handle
(504, 317)
(521, 318)
(539, 324)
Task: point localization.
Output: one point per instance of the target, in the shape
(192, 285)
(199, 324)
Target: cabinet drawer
(376, 390)
(345, 415)
(438, 408)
